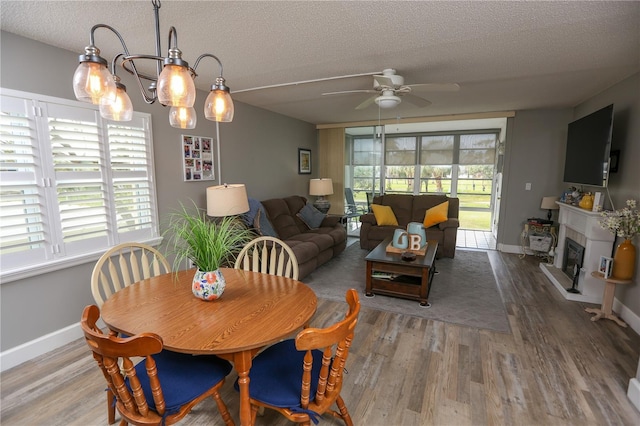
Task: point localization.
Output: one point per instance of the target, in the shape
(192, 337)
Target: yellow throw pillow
(384, 215)
(436, 215)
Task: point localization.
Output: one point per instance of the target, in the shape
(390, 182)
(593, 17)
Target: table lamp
(320, 188)
(227, 200)
(549, 203)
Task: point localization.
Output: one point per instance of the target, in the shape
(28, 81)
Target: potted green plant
(209, 244)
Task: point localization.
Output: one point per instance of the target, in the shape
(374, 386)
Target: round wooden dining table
(255, 310)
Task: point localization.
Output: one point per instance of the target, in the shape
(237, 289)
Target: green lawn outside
(476, 220)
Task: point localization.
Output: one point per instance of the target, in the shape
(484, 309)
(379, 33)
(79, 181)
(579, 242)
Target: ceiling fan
(389, 87)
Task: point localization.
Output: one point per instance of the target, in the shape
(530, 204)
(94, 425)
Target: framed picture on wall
(197, 158)
(304, 161)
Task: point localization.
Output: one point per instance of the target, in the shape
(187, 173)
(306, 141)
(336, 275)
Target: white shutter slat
(71, 183)
(21, 198)
(132, 186)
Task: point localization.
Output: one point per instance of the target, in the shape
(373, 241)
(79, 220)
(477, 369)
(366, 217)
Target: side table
(607, 299)
(548, 232)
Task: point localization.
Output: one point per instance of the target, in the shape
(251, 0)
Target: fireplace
(573, 257)
(581, 226)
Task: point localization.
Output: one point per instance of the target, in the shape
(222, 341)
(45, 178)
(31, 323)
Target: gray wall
(625, 184)
(534, 153)
(259, 148)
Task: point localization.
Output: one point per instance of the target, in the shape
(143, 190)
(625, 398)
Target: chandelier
(172, 85)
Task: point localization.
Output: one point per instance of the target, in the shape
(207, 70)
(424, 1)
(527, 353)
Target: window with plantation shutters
(72, 183)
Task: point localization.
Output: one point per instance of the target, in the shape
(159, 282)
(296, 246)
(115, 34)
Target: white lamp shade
(321, 187)
(549, 203)
(227, 200)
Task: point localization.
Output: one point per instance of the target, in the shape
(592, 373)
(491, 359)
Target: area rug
(463, 292)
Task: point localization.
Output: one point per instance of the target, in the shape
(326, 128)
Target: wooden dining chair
(302, 378)
(268, 255)
(119, 267)
(123, 265)
(164, 387)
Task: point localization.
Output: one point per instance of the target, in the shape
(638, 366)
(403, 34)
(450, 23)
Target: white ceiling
(505, 55)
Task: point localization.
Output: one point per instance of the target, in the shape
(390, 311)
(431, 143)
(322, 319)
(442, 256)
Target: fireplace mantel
(584, 227)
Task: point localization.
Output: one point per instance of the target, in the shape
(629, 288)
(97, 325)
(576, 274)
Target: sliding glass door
(459, 164)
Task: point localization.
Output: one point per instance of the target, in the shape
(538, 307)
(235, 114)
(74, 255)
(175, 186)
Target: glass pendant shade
(183, 117)
(176, 87)
(119, 110)
(92, 81)
(219, 106)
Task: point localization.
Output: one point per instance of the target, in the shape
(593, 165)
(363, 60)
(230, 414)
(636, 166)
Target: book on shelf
(538, 221)
(383, 275)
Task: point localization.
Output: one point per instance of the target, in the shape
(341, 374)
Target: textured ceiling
(504, 55)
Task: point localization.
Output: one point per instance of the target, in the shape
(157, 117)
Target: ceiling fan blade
(435, 87)
(416, 100)
(366, 103)
(383, 80)
(346, 92)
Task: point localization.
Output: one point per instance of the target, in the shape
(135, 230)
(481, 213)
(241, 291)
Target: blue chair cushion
(183, 377)
(276, 375)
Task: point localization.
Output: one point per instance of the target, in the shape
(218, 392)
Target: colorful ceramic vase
(208, 285)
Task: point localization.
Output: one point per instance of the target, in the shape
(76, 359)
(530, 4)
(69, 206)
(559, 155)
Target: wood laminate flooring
(556, 367)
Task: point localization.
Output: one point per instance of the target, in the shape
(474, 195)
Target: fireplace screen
(573, 256)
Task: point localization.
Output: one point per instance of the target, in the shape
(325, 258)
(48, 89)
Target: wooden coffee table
(389, 275)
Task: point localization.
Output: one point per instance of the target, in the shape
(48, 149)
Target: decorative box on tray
(420, 252)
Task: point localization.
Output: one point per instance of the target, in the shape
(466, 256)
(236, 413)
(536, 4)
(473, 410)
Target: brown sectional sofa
(312, 247)
(411, 208)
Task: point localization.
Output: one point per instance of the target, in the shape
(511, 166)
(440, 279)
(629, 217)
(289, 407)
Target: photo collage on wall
(197, 153)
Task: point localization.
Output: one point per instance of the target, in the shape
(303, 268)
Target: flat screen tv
(588, 148)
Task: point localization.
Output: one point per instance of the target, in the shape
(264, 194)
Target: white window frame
(57, 253)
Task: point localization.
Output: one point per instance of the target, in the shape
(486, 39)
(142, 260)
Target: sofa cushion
(250, 216)
(304, 250)
(263, 225)
(436, 215)
(311, 216)
(402, 205)
(422, 203)
(282, 217)
(384, 215)
(321, 241)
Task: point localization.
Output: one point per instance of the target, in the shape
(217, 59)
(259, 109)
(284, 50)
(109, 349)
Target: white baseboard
(30, 350)
(505, 248)
(633, 393)
(627, 315)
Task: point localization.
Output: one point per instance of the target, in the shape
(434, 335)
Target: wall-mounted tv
(588, 148)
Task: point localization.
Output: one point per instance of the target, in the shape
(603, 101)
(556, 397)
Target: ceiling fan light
(387, 101)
